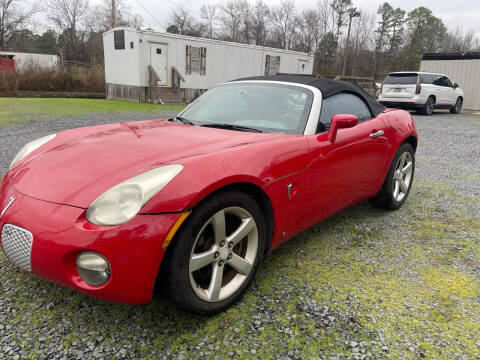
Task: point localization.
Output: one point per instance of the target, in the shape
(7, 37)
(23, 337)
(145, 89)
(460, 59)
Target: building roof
(8, 52)
(414, 72)
(205, 40)
(451, 56)
(326, 86)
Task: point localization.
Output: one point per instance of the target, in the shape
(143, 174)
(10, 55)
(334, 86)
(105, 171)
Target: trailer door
(158, 60)
(302, 66)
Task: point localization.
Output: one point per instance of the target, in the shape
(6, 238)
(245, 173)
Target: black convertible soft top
(326, 86)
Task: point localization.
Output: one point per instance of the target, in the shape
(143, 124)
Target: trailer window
(119, 39)
(272, 65)
(196, 62)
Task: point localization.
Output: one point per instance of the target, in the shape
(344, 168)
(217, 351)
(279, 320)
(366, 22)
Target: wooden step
(169, 96)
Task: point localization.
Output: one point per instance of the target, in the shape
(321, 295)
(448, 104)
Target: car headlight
(31, 147)
(124, 201)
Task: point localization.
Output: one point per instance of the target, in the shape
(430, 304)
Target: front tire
(429, 106)
(397, 184)
(215, 256)
(457, 108)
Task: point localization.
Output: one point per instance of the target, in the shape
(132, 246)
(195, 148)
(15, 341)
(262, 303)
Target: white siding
(224, 61)
(122, 66)
(464, 72)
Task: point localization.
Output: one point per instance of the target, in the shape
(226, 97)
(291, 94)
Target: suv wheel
(429, 106)
(457, 107)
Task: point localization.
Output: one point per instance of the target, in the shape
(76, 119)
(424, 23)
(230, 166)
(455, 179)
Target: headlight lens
(124, 201)
(93, 268)
(30, 147)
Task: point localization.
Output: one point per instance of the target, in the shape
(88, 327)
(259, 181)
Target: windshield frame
(312, 112)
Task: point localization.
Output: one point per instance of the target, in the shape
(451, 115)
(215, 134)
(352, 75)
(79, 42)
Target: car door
(427, 83)
(347, 170)
(449, 91)
(437, 89)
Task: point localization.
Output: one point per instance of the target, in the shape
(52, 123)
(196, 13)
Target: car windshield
(269, 108)
(401, 79)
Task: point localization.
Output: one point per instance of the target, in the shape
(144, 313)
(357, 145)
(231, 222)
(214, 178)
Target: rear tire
(207, 268)
(429, 106)
(397, 184)
(457, 108)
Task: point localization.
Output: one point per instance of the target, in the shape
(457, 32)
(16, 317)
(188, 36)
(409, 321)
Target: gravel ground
(365, 284)
(450, 149)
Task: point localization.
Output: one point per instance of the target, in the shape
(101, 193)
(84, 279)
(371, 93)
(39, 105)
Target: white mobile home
(463, 69)
(185, 65)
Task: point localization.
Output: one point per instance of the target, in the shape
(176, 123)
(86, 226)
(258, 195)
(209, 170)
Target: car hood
(79, 165)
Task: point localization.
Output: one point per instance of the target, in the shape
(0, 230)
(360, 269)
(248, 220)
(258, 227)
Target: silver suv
(421, 91)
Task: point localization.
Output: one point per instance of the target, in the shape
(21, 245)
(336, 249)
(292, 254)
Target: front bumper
(61, 232)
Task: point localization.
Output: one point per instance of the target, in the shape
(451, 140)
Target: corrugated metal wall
(464, 72)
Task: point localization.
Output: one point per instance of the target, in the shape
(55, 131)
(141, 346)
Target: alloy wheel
(430, 106)
(223, 254)
(458, 105)
(402, 177)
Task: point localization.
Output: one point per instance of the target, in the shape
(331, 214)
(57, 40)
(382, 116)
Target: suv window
(427, 78)
(343, 103)
(438, 80)
(447, 82)
(401, 79)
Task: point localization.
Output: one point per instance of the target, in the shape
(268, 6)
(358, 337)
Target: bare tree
(108, 17)
(362, 43)
(12, 17)
(340, 10)
(283, 19)
(182, 19)
(232, 14)
(326, 16)
(72, 18)
(363, 31)
(309, 31)
(247, 23)
(209, 15)
(183, 22)
(68, 14)
(458, 41)
(260, 13)
(135, 21)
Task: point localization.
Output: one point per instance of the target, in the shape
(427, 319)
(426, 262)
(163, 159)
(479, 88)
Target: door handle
(376, 134)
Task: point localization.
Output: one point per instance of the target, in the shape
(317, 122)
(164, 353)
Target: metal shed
(463, 69)
(143, 65)
(24, 60)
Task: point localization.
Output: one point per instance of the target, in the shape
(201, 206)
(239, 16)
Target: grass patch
(13, 110)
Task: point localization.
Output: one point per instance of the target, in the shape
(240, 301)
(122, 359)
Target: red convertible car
(198, 200)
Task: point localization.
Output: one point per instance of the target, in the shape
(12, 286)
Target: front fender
(258, 164)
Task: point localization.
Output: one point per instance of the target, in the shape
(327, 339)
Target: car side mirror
(455, 85)
(341, 121)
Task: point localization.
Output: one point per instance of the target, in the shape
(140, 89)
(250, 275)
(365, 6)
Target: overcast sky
(464, 13)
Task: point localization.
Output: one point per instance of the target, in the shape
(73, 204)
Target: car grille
(17, 244)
